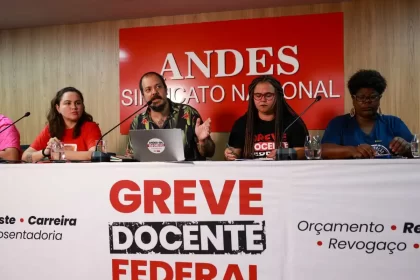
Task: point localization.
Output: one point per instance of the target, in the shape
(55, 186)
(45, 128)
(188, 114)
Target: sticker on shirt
(380, 150)
(156, 146)
(70, 147)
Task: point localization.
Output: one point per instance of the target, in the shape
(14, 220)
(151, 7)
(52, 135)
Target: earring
(380, 111)
(352, 112)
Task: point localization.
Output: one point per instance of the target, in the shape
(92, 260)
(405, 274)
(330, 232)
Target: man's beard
(158, 108)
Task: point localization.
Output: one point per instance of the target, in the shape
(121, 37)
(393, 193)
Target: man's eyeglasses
(365, 99)
(268, 96)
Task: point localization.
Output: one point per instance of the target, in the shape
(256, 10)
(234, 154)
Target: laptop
(157, 145)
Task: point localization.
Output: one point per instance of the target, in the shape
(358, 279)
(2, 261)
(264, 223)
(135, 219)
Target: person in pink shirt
(9, 140)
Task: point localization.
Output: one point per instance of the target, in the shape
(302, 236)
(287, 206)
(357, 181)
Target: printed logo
(156, 146)
(380, 149)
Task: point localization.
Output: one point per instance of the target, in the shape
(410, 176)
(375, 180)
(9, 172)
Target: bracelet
(43, 153)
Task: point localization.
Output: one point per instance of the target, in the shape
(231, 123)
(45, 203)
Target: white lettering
(125, 96)
(174, 96)
(251, 237)
(153, 238)
(288, 60)
(163, 238)
(212, 94)
(173, 67)
(241, 93)
(221, 63)
(188, 237)
(294, 90)
(203, 92)
(302, 88)
(192, 94)
(205, 69)
(331, 90)
(207, 235)
(234, 234)
(116, 230)
(253, 61)
(321, 89)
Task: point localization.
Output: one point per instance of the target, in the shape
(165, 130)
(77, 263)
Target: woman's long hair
(282, 111)
(55, 120)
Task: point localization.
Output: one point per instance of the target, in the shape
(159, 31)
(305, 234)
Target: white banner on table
(243, 220)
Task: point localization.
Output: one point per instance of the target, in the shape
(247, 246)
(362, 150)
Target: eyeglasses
(268, 96)
(365, 99)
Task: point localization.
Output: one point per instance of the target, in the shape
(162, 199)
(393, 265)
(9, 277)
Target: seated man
(165, 114)
(9, 140)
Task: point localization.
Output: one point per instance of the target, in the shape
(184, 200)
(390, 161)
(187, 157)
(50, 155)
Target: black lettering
(333, 243)
(318, 229)
(363, 228)
(52, 221)
(370, 249)
(351, 245)
(37, 235)
(32, 220)
(354, 227)
(403, 247)
(391, 250)
(381, 248)
(342, 245)
(346, 226)
(73, 222)
(7, 220)
(408, 227)
(305, 223)
(379, 230)
(328, 227)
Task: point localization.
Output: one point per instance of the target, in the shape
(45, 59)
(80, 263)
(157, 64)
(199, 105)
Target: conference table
(286, 220)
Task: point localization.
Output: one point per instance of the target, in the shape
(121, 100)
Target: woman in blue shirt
(365, 132)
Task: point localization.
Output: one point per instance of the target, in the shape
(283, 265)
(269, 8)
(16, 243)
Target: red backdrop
(210, 65)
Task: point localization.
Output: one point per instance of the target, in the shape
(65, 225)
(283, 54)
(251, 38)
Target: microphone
(291, 153)
(27, 114)
(99, 156)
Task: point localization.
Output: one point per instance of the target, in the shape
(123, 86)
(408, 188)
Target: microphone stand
(290, 153)
(99, 156)
(27, 114)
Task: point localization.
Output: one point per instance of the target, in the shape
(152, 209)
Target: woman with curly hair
(366, 132)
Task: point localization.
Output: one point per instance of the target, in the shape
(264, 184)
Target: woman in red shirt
(69, 124)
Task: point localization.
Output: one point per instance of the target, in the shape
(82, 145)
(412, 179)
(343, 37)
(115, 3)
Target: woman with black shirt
(257, 133)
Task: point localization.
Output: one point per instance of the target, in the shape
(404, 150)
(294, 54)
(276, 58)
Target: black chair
(24, 147)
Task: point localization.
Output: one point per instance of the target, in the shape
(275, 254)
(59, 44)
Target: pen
(231, 149)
